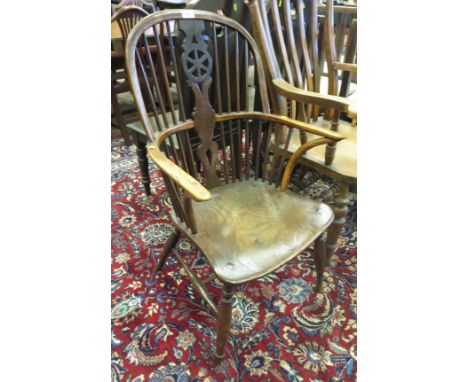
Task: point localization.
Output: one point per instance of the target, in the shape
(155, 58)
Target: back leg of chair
(223, 324)
(320, 253)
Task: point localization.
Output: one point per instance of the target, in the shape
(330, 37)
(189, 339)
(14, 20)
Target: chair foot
(223, 324)
(340, 209)
(170, 243)
(319, 257)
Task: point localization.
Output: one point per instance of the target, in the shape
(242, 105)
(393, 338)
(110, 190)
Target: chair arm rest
(183, 179)
(301, 95)
(295, 157)
(282, 120)
(345, 66)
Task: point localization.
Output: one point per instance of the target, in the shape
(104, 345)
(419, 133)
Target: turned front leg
(223, 324)
(340, 209)
(143, 162)
(331, 147)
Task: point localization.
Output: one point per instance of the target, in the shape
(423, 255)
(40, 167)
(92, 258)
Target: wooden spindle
(228, 98)
(219, 102)
(283, 157)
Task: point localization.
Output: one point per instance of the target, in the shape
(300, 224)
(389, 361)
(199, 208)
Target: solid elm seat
(249, 228)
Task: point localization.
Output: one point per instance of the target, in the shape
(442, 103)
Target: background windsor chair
(290, 50)
(124, 18)
(125, 15)
(345, 27)
(239, 215)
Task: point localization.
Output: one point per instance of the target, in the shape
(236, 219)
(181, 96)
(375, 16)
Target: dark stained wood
(126, 15)
(204, 118)
(142, 155)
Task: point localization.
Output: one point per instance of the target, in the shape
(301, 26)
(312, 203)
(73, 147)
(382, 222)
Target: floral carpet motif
(282, 329)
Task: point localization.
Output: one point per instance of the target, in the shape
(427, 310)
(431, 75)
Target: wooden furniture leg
(120, 119)
(143, 162)
(170, 243)
(223, 324)
(320, 253)
(340, 209)
(302, 171)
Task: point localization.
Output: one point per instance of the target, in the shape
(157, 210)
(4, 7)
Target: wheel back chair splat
(288, 38)
(239, 12)
(236, 208)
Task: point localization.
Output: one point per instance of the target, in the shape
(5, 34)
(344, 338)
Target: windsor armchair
(240, 216)
(290, 51)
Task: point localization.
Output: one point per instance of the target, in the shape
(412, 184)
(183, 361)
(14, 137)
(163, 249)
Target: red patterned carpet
(162, 331)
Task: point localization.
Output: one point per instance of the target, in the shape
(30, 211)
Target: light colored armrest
(344, 66)
(184, 180)
(282, 120)
(295, 157)
(301, 95)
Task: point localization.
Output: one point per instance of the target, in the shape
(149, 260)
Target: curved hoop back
(200, 54)
(127, 17)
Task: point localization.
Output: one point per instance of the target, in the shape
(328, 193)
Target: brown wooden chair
(123, 20)
(290, 50)
(345, 41)
(236, 208)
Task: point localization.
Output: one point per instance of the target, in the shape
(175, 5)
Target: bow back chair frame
(290, 48)
(238, 213)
